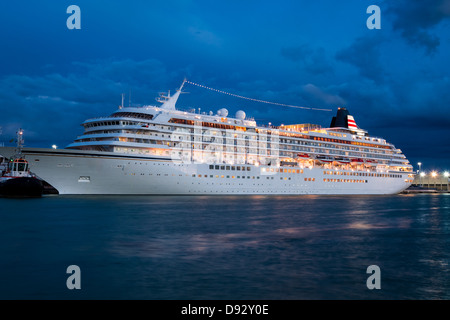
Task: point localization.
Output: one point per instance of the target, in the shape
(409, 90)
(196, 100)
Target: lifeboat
(357, 161)
(341, 160)
(371, 162)
(303, 156)
(324, 159)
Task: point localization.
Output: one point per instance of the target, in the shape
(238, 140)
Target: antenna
(19, 143)
(129, 99)
(123, 95)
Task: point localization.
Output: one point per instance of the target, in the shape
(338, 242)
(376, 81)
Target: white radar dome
(222, 112)
(240, 115)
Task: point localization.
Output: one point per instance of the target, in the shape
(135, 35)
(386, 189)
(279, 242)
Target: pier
(430, 183)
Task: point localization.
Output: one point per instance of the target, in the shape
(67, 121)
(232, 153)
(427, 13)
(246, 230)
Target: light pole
(433, 175)
(446, 175)
(420, 173)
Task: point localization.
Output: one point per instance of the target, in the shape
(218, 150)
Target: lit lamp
(422, 174)
(54, 146)
(446, 174)
(433, 175)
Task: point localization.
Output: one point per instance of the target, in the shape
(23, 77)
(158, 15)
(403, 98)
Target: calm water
(259, 247)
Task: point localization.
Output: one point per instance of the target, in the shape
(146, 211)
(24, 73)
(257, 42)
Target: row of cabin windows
(363, 174)
(104, 123)
(223, 176)
(237, 168)
(132, 115)
(346, 180)
(244, 177)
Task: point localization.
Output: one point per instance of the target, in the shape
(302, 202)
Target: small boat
(324, 159)
(16, 180)
(342, 160)
(357, 161)
(371, 162)
(303, 155)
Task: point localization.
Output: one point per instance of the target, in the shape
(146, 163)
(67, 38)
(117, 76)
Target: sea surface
(221, 247)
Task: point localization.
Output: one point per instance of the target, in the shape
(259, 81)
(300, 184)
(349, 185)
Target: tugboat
(16, 180)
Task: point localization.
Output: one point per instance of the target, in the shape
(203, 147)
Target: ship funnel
(343, 119)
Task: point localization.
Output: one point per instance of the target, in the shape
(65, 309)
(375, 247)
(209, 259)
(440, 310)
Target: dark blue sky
(319, 54)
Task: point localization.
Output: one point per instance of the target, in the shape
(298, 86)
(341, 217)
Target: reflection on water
(261, 247)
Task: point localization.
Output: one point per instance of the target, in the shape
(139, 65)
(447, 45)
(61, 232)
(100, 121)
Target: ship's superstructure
(162, 150)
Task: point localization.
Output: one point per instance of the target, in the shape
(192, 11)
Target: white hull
(92, 172)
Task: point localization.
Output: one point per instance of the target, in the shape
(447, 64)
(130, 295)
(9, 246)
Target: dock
(429, 184)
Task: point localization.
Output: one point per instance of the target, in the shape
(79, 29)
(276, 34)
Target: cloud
(414, 20)
(321, 97)
(312, 60)
(364, 54)
(50, 107)
(204, 36)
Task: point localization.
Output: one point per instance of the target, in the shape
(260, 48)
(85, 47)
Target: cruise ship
(163, 150)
